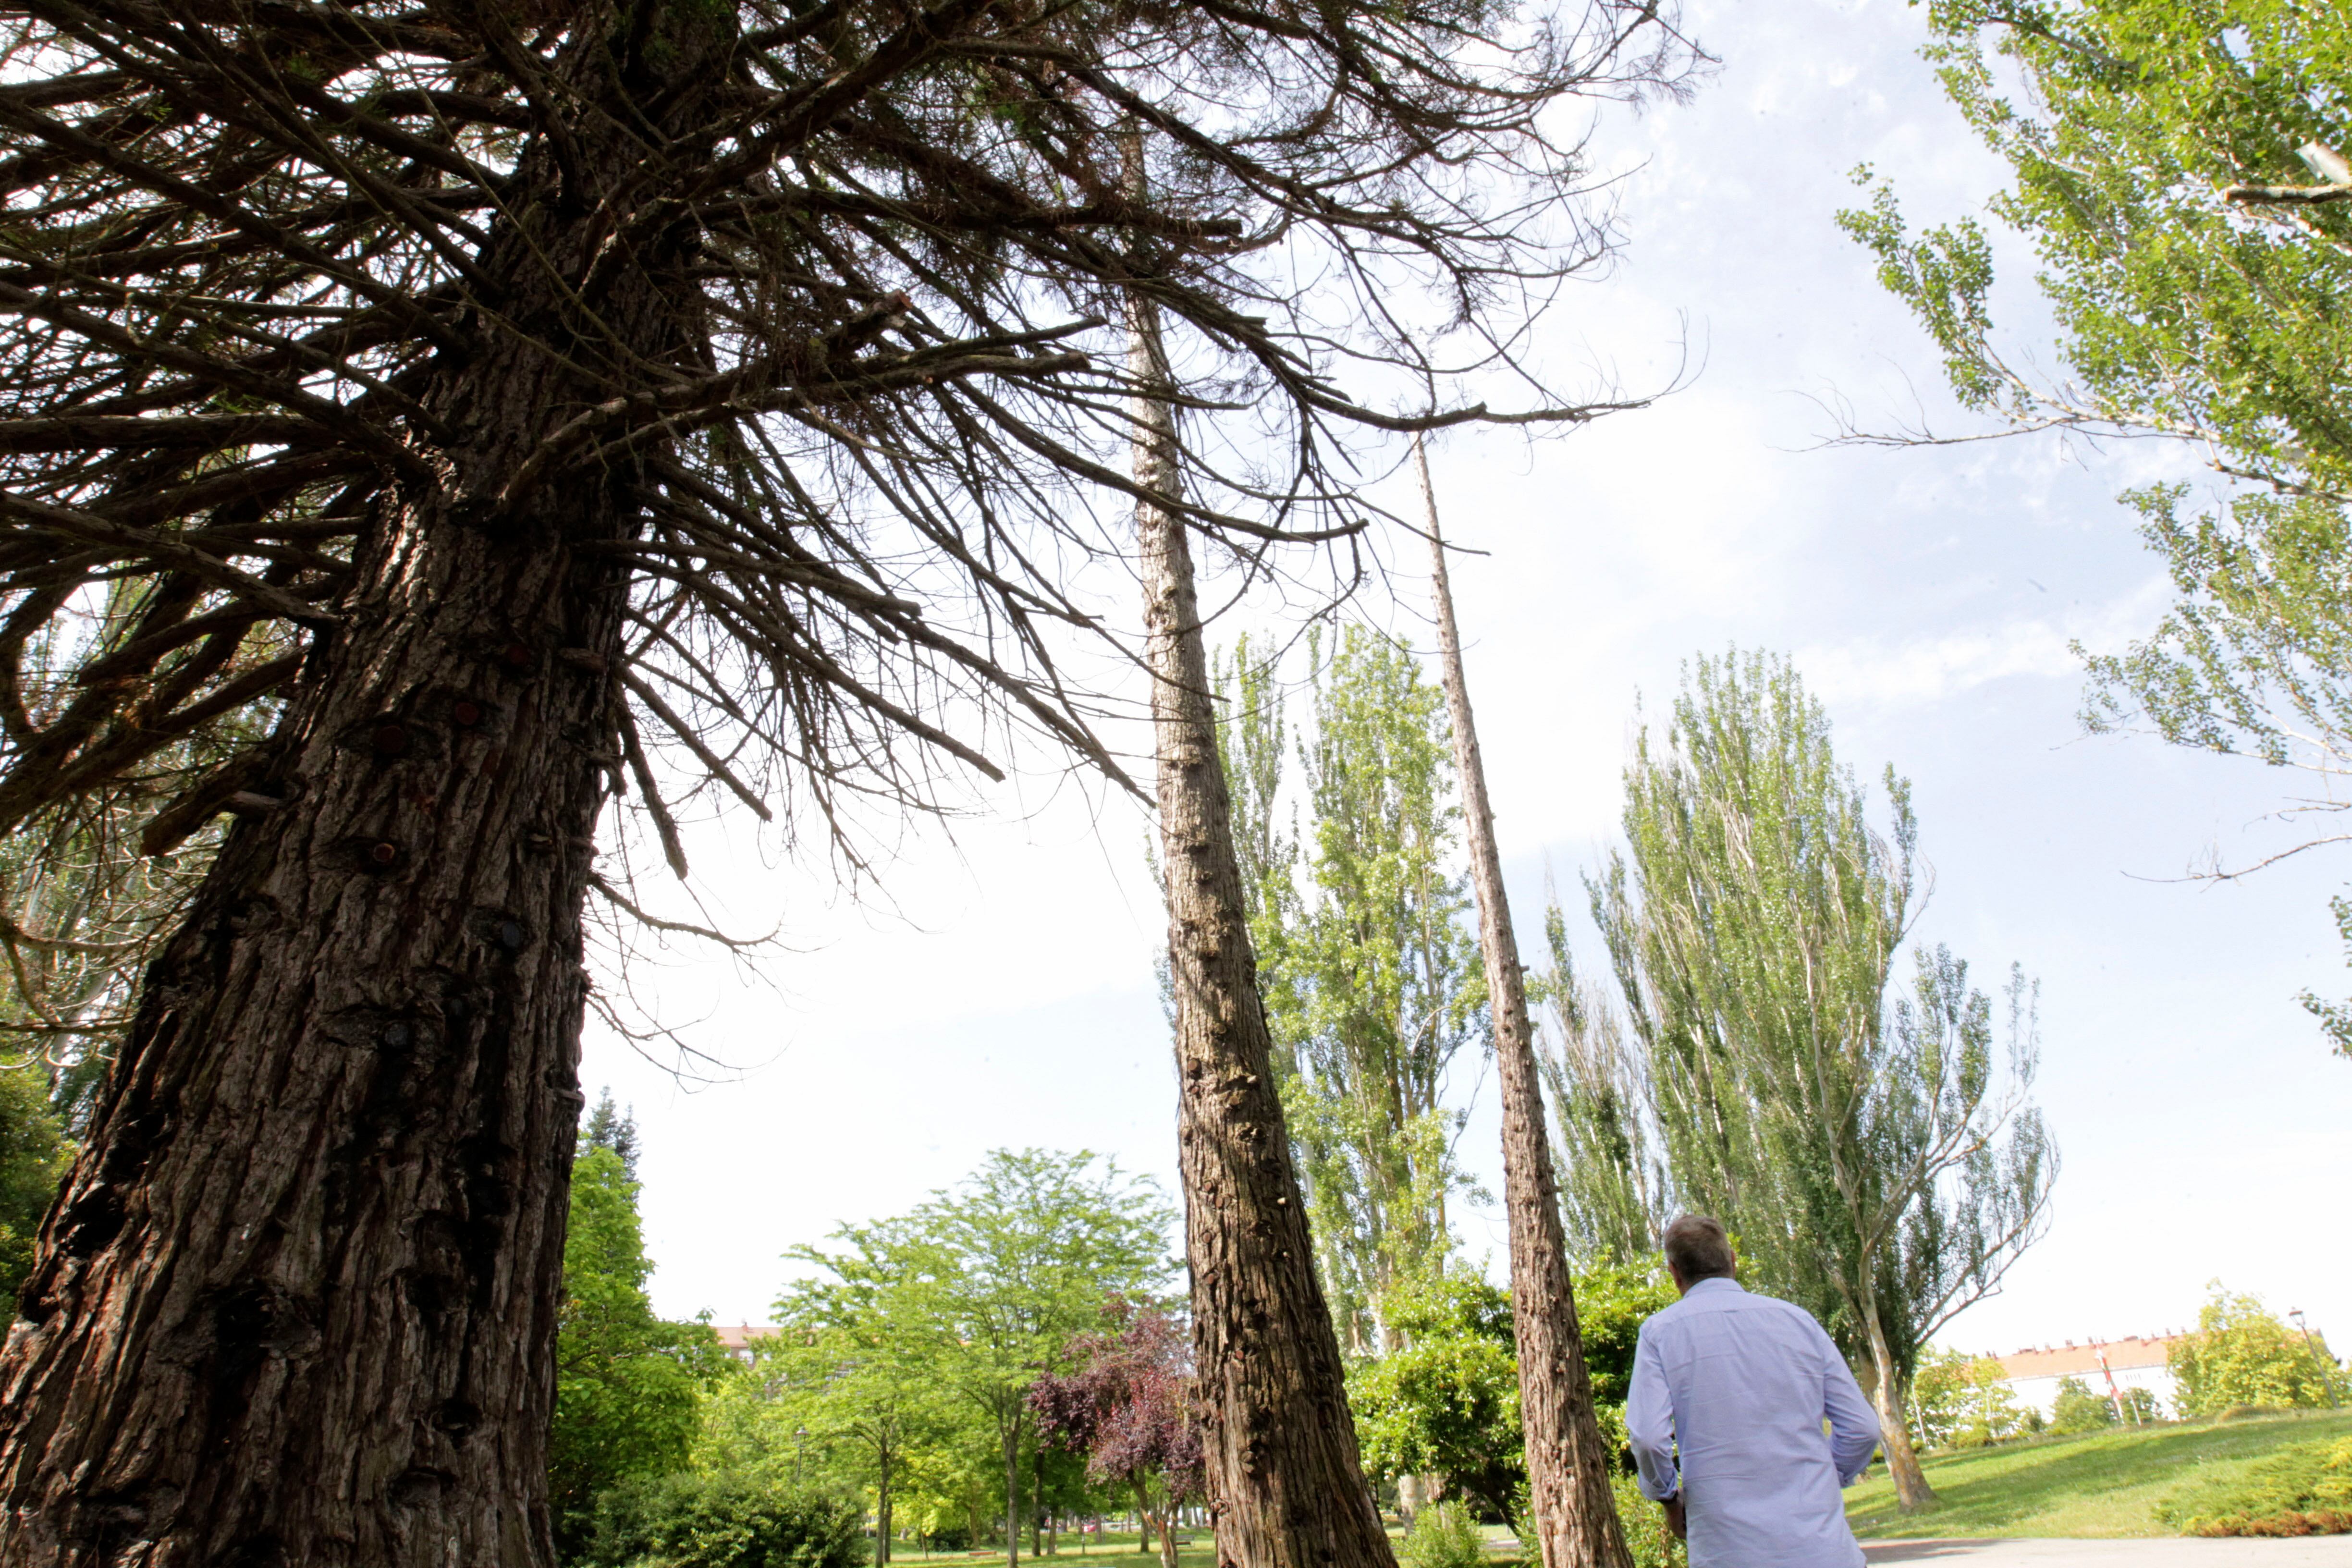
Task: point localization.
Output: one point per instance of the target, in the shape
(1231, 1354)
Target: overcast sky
(1928, 595)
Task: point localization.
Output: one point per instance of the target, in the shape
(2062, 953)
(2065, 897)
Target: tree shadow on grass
(1987, 1490)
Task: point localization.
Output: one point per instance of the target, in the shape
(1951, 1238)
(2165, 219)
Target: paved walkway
(2166, 1552)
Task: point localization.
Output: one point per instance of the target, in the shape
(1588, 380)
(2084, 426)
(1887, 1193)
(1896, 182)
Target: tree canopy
(2164, 156)
(1370, 971)
(1877, 1156)
(629, 1385)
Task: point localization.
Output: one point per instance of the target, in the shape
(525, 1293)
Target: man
(1741, 1385)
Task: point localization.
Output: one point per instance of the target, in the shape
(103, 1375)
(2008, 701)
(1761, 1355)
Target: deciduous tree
(1371, 968)
(2177, 172)
(1126, 1407)
(628, 1385)
(2241, 1353)
(1877, 1155)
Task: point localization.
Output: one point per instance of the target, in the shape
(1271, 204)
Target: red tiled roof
(2074, 1361)
(740, 1337)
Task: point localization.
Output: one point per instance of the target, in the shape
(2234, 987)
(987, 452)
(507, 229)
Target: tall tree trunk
(882, 1516)
(296, 1303)
(1142, 1518)
(1912, 1492)
(1013, 1496)
(1286, 1483)
(1568, 1467)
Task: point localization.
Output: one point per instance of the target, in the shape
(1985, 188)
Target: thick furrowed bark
(296, 1305)
(1286, 1483)
(1568, 1467)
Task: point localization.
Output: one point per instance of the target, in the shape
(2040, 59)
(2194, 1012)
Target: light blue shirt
(1741, 1384)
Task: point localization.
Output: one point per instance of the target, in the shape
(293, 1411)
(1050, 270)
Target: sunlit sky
(1005, 997)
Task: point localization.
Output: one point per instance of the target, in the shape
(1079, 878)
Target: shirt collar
(1715, 1287)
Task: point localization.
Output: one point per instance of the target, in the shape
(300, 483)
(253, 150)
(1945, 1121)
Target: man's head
(1696, 1249)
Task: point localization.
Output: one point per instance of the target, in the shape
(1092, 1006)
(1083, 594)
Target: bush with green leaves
(1647, 1540)
(2242, 1355)
(2305, 1489)
(704, 1518)
(2080, 1409)
(1443, 1535)
(34, 1155)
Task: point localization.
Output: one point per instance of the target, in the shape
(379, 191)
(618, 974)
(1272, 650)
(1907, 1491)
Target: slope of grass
(2106, 1484)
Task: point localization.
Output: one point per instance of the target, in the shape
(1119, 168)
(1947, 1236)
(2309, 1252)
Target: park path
(2167, 1552)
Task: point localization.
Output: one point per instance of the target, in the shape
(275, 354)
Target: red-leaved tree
(1128, 1408)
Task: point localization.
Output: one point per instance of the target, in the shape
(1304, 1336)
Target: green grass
(2103, 1484)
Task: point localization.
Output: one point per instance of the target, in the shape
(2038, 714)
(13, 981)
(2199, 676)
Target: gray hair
(1697, 1249)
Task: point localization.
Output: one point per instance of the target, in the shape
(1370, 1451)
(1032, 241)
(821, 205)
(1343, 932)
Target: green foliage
(1443, 1536)
(1370, 974)
(1877, 1155)
(2303, 1489)
(2078, 1409)
(34, 1156)
(1986, 1411)
(1647, 1540)
(1613, 1183)
(628, 1385)
(911, 1345)
(2181, 313)
(1446, 1402)
(722, 1520)
(2242, 1355)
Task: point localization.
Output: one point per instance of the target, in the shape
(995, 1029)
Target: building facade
(2109, 1367)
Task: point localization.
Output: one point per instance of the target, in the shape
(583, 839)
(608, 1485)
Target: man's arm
(1650, 1422)
(1854, 1424)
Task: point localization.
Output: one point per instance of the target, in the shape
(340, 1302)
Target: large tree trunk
(1286, 1484)
(882, 1516)
(1568, 1467)
(1912, 1492)
(295, 1307)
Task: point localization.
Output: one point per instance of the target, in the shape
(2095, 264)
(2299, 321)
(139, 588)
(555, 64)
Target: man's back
(1741, 1385)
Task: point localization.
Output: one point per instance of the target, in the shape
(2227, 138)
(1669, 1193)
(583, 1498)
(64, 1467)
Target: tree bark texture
(1012, 1498)
(1568, 1465)
(1285, 1482)
(296, 1305)
(1912, 1492)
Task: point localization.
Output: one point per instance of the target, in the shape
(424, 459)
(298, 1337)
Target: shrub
(705, 1519)
(2078, 1409)
(1646, 1538)
(2303, 1490)
(1443, 1536)
(2242, 1354)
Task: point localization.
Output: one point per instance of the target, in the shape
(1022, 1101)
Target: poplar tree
(1877, 1155)
(504, 404)
(2180, 170)
(1371, 973)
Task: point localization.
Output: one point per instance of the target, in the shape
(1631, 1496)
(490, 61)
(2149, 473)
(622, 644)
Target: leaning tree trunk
(1286, 1484)
(1568, 1465)
(296, 1305)
(1912, 1492)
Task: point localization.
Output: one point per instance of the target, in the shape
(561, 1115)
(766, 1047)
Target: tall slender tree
(1281, 1467)
(1878, 1157)
(1568, 1464)
(1372, 981)
(509, 396)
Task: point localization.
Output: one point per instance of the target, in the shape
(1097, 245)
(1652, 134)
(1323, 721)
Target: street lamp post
(2327, 1377)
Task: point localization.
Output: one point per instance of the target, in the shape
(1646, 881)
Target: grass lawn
(2106, 1484)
